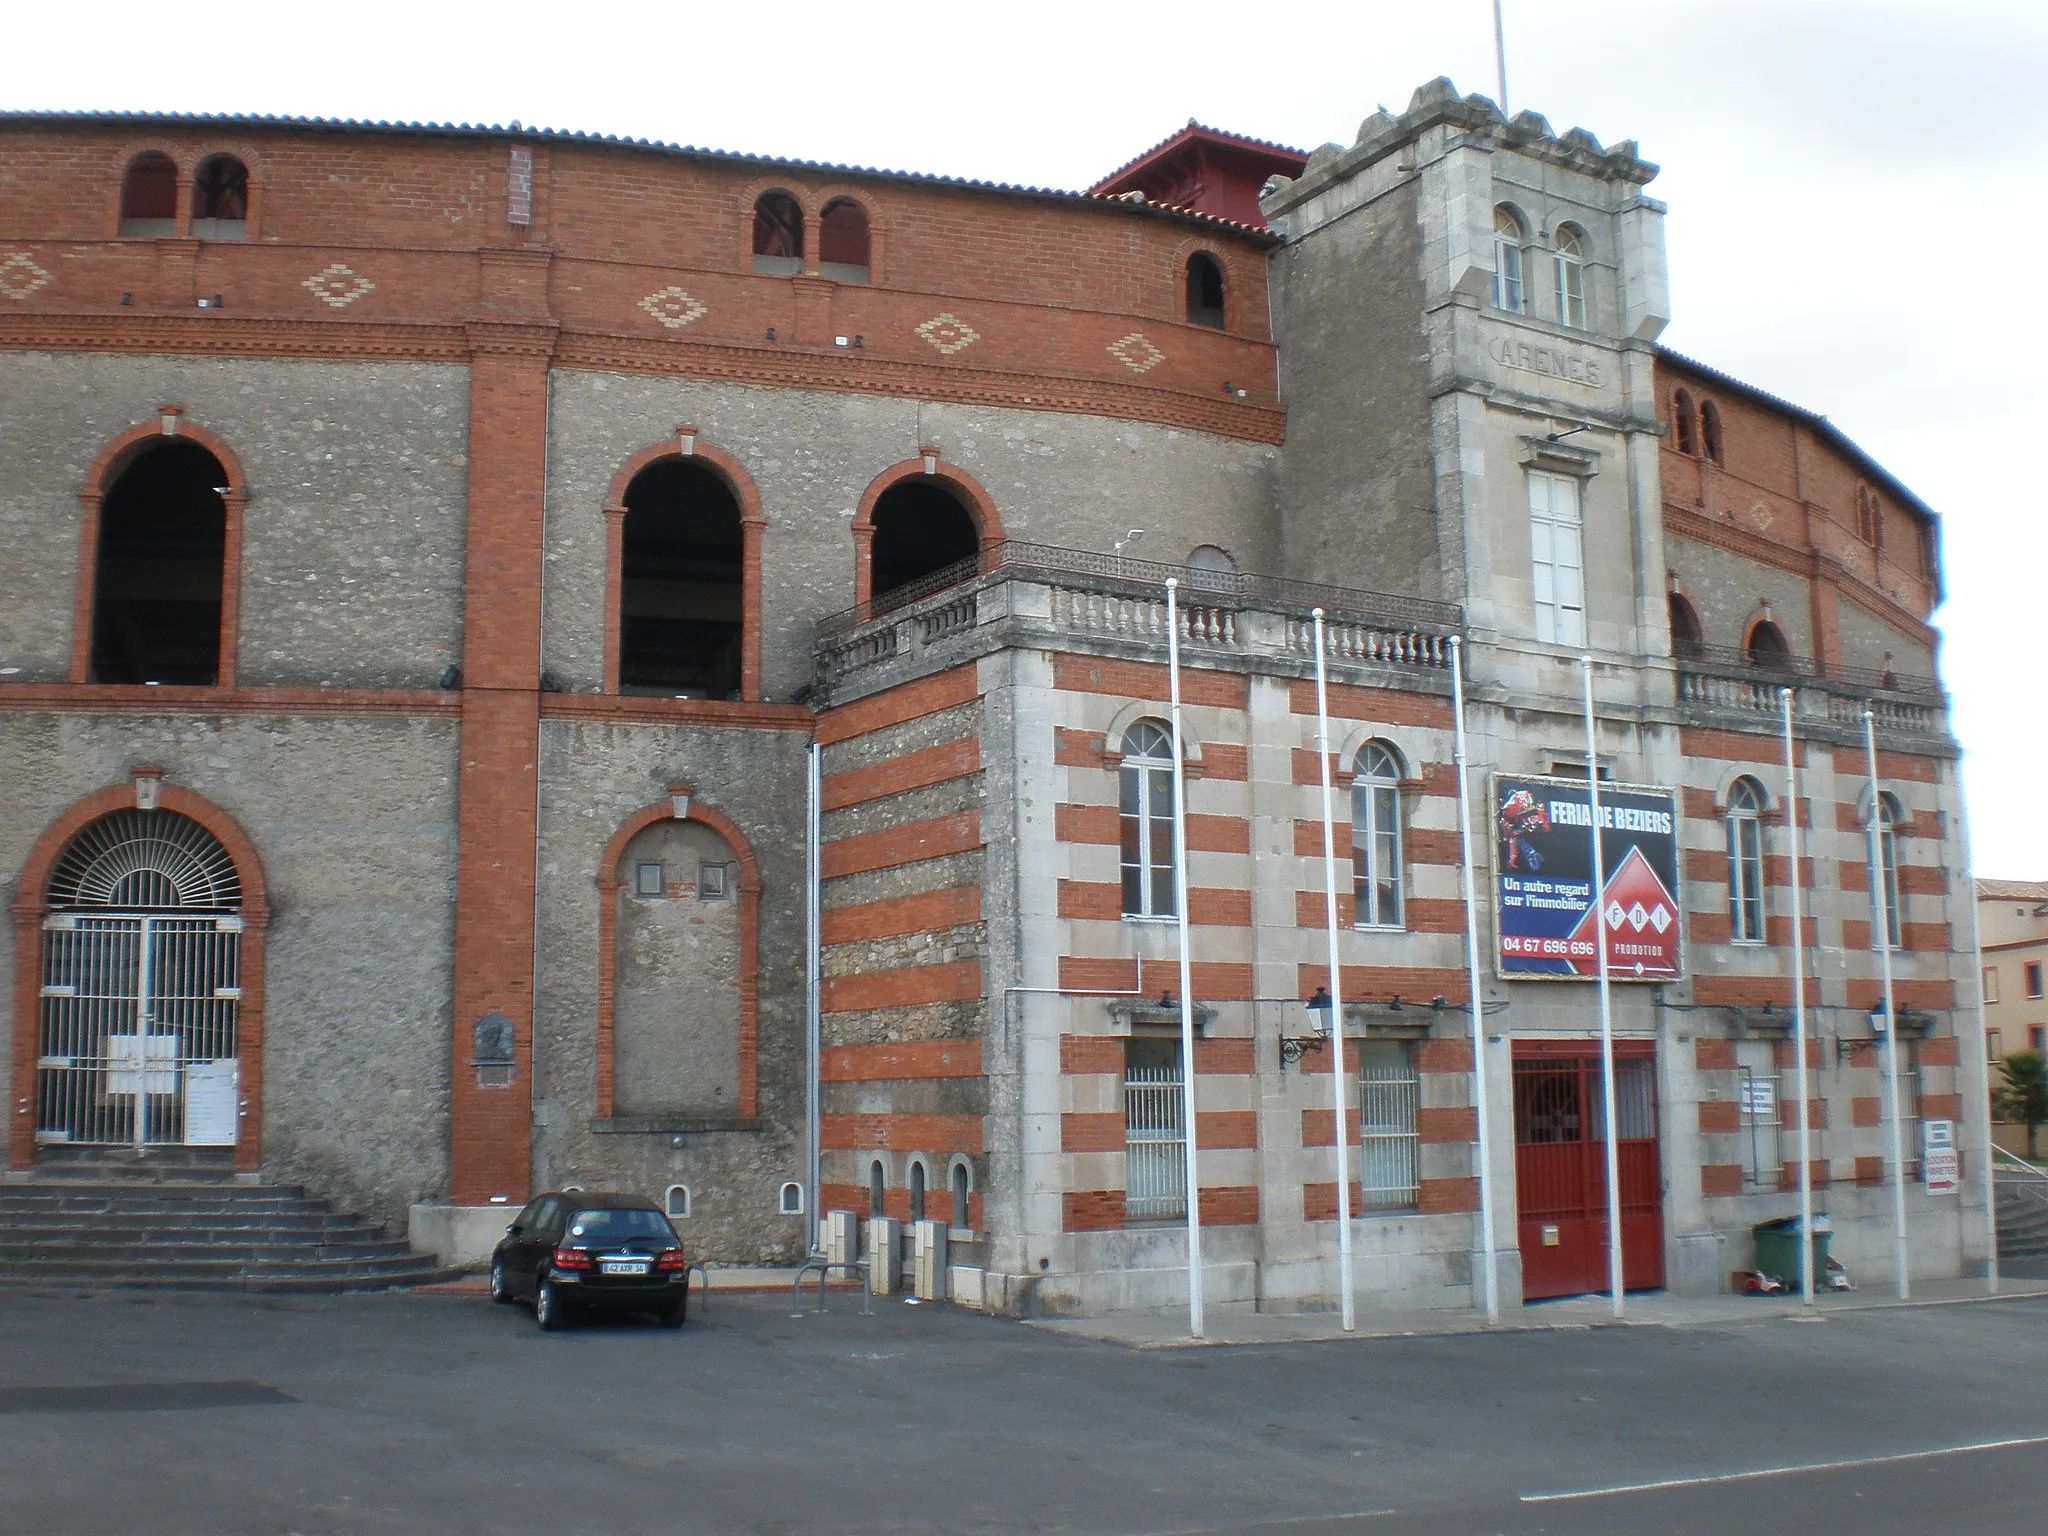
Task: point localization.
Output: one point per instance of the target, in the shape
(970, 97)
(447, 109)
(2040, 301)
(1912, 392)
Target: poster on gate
(1543, 880)
(1940, 1166)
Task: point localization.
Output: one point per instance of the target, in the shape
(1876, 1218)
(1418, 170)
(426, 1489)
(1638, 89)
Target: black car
(577, 1250)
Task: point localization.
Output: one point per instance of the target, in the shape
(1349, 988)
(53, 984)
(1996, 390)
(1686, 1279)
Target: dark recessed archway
(682, 569)
(1768, 648)
(1687, 639)
(920, 527)
(157, 582)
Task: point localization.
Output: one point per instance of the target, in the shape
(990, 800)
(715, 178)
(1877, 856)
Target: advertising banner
(1543, 862)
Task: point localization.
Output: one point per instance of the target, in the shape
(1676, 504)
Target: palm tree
(2024, 1094)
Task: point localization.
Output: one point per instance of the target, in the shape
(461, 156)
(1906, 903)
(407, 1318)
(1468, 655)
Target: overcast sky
(1846, 180)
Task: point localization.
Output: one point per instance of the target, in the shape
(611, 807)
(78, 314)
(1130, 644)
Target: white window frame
(1990, 983)
(1570, 254)
(1510, 292)
(1557, 557)
(1155, 1134)
(1746, 916)
(1885, 889)
(1376, 886)
(1145, 821)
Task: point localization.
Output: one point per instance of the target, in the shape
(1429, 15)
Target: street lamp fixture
(1320, 1009)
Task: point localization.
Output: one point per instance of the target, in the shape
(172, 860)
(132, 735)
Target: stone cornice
(134, 699)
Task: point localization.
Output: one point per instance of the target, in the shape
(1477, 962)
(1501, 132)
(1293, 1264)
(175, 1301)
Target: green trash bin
(1778, 1248)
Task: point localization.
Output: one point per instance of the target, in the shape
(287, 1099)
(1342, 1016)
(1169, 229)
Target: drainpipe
(813, 896)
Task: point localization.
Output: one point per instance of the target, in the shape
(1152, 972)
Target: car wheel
(549, 1310)
(501, 1291)
(671, 1313)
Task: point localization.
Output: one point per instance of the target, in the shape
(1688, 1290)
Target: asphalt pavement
(400, 1413)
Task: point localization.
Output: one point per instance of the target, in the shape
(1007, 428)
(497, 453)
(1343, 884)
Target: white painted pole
(1806, 1276)
(1187, 968)
(1490, 1267)
(1882, 908)
(813, 985)
(1500, 56)
(1614, 1281)
(1338, 1076)
(1982, 1050)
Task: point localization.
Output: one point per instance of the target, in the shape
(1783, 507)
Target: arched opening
(676, 1000)
(1767, 648)
(1688, 641)
(1682, 430)
(1205, 291)
(1508, 238)
(921, 528)
(1884, 891)
(1710, 431)
(917, 1191)
(963, 1186)
(141, 986)
(843, 241)
(158, 570)
(676, 1201)
(1211, 569)
(1145, 820)
(149, 195)
(878, 1190)
(220, 199)
(778, 234)
(681, 577)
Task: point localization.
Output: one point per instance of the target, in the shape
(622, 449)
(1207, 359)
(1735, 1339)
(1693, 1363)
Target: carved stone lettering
(1548, 361)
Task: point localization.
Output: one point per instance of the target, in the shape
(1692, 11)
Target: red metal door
(1561, 1167)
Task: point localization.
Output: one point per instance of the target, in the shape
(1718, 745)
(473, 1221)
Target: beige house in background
(2012, 925)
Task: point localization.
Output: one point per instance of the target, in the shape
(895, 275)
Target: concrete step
(163, 1168)
(195, 1268)
(319, 1282)
(34, 1197)
(170, 1224)
(156, 1255)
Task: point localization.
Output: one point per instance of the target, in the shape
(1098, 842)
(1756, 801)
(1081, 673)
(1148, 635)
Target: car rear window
(608, 1226)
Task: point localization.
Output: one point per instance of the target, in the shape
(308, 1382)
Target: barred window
(1145, 790)
(1387, 1092)
(1376, 837)
(1746, 862)
(1155, 1137)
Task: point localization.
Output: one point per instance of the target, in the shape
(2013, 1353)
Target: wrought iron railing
(1781, 670)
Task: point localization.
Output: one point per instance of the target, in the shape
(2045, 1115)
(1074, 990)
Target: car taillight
(671, 1258)
(572, 1258)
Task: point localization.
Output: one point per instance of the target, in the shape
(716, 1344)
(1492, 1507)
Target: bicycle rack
(824, 1267)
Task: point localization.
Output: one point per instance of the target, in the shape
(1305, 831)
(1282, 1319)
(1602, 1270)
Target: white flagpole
(1337, 1074)
(1982, 1052)
(1187, 969)
(1806, 1276)
(1492, 1269)
(1500, 55)
(1882, 908)
(1614, 1286)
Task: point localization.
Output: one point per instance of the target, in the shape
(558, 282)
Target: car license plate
(625, 1266)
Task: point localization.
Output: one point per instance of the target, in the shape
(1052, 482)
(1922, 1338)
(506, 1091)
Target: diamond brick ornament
(21, 277)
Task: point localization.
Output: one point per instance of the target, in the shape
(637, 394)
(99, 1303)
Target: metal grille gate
(137, 1041)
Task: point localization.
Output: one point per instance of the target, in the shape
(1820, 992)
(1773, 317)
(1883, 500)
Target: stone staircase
(2022, 1215)
(178, 1218)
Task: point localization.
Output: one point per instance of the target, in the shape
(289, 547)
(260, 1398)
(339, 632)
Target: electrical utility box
(885, 1254)
(928, 1260)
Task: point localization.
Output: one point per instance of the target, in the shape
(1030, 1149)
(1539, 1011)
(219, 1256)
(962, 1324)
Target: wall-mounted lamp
(1321, 1010)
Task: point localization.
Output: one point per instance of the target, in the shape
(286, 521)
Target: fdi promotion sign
(1543, 892)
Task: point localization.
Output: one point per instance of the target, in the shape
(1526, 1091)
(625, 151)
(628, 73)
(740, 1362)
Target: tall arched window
(1884, 892)
(1710, 431)
(1570, 257)
(1746, 862)
(1688, 642)
(1205, 291)
(878, 1190)
(1507, 260)
(1684, 427)
(149, 195)
(963, 1186)
(158, 570)
(917, 1191)
(1869, 524)
(1767, 648)
(843, 242)
(778, 234)
(1145, 807)
(682, 570)
(220, 199)
(920, 529)
(1376, 837)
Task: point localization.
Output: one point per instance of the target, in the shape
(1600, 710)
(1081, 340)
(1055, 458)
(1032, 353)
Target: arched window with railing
(1767, 648)
(220, 199)
(1746, 861)
(843, 242)
(149, 195)
(1688, 640)
(778, 234)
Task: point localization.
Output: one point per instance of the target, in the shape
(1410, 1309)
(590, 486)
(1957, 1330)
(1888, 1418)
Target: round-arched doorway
(141, 986)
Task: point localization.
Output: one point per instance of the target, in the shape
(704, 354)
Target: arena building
(437, 557)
